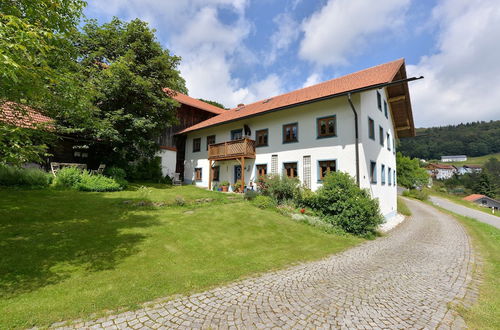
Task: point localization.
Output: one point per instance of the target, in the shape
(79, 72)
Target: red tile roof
(473, 197)
(441, 166)
(23, 116)
(188, 100)
(379, 74)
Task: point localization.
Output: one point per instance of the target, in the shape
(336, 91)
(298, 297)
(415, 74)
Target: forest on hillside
(471, 139)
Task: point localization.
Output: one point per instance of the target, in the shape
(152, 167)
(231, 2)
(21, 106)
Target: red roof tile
(473, 197)
(23, 116)
(441, 166)
(188, 100)
(376, 75)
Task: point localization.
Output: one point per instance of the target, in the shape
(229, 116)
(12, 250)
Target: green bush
(263, 202)
(96, 182)
(418, 194)
(67, 178)
(146, 170)
(118, 174)
(342, 203)
(250, 194)
(279, 187)
(23, 177)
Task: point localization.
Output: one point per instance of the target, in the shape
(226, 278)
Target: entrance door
(237, 173)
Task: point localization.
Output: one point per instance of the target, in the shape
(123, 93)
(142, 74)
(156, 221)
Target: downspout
(356, 136)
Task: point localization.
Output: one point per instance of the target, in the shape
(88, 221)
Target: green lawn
(67, 254)
(485, 313)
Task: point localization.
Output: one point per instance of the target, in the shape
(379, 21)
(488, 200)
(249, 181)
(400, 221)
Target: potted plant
(237, 186)
(215, 187)
(224, 185)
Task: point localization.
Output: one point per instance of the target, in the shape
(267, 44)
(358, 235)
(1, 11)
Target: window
(373, 172)
(381, 133)
(290, 133)
(385, 110)
(327, 126)
(371, 128)
(325, 167)
(261, 138)
(261, 170)
(237, 134)
(382, 174)
(290, 169)
(210, 140)
(379, 101)
(197, 174)
(393, 146)
(388, 142)
(215, 173)
(393, 177)
(196, 144)
(389, 176)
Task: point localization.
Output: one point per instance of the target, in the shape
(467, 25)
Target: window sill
(287, 142)
(262, 145)
(325, 137)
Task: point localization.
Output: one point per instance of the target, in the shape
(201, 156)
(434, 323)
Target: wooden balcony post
(209, 174)
(243, 173)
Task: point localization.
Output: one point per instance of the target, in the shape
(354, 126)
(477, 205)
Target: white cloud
(462, 80)
(286, 33)
(313, 79)
(343, 28)
(210, 49)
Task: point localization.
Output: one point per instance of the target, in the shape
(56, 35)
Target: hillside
(480, 160)
(471, 139)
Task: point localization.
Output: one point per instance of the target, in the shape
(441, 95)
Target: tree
(37, 62)
(410, 174)
(485, 185)
(129, 69)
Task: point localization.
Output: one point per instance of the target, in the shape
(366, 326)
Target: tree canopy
(471, 139)
(410, 174)
(214, 103)
(128, 69)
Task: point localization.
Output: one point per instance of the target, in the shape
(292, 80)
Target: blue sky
(240, 51)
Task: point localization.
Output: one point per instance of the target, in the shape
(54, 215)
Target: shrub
(263, 202)
(342, 203)
(418, 194)
(250, 195)
(23, 177)
(67, 177)
(146, 170)
(168, 180)
(96, 182)
(118, 174)
(280, 187)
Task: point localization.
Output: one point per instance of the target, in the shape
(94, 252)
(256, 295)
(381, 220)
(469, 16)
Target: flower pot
(224, 188)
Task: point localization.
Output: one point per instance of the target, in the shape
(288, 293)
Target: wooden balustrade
(232, 149)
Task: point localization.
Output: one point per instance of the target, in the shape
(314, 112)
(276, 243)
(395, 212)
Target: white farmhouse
(347, 124)
(454, 158)
(441, 171)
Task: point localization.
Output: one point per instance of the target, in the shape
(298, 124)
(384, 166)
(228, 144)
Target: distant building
(441, 171)
(469, 169)
(483, 201)
(456, 158)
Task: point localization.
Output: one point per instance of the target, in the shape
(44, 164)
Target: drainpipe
(356, 136)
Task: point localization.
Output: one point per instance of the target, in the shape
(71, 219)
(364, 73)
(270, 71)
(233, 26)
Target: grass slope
(461, 201)
(68, 254)
(485, 313)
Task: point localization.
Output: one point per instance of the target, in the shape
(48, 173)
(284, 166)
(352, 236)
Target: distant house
(469, 169)
(483, 201)
(441, 171)
(456, 158)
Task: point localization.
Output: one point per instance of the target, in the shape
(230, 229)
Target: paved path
(404, 280)
(467, 211)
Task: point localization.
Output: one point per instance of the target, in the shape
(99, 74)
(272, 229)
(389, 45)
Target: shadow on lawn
(45, 236)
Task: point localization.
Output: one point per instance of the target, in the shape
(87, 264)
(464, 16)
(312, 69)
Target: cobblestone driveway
(404, 280)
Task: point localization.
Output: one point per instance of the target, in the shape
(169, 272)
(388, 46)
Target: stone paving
(404, 280)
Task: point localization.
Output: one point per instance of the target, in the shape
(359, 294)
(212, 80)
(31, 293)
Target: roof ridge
(323, 82)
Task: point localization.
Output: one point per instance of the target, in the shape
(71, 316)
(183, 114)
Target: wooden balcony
(244, 148)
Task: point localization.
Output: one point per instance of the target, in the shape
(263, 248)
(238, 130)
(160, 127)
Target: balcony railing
(232, 149)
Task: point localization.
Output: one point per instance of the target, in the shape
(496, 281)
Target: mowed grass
(485, 313)
(66, 255)
(461, 201)
(475, 160)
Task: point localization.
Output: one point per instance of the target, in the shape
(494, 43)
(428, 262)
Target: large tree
(38, 68)
(129, 68)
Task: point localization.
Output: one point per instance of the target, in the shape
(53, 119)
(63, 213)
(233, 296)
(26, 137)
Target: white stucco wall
(340, 148)
(168, 161)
